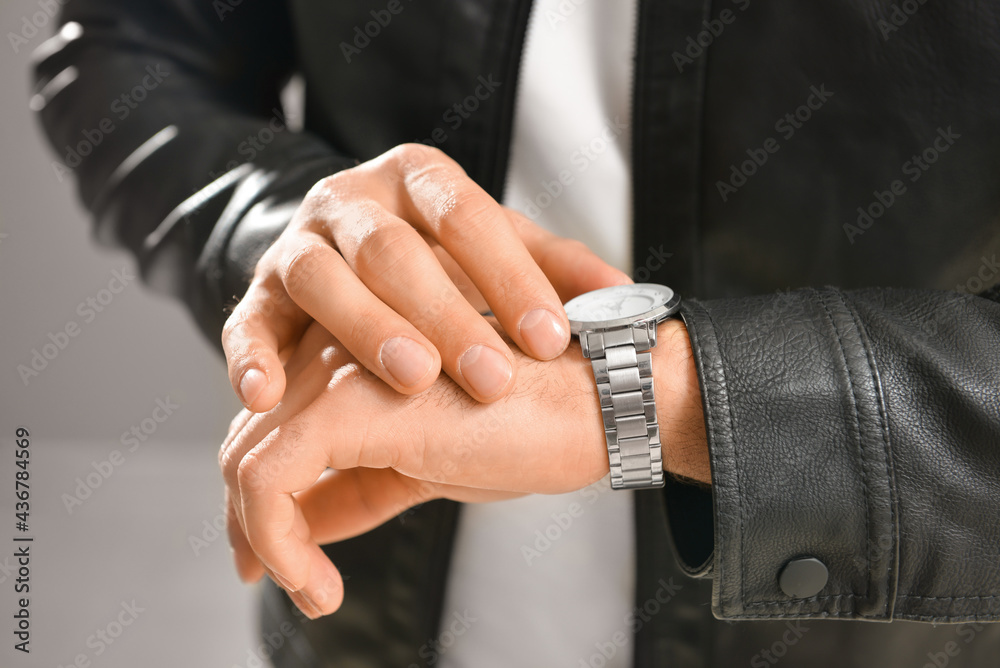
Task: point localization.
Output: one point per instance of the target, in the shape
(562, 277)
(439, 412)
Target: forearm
(679, 405)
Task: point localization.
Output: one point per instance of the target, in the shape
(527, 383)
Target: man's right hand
(390, 257)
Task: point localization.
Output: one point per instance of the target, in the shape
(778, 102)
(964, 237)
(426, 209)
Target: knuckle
(511, 286)
(332, 185)
(235, 422)
(381, 248)
(227, 463)
(302, 266)
(230, 328)
(367, 332)
(270, 258)
(418, 166)
(414, 155)
(252, 474)
(325, 197)
(468, 214)
(239, 339)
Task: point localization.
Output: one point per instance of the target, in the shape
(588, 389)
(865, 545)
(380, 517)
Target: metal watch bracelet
(623, 369)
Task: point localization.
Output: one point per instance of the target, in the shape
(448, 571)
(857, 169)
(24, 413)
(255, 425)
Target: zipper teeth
(507, 121)
(633, 109)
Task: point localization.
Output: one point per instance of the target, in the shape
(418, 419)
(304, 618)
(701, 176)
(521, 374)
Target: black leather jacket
(778, 148)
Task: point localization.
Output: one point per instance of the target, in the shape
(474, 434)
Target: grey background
(142, 346)
(135, 538)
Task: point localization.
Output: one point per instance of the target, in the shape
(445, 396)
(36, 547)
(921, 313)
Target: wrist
(679, 409)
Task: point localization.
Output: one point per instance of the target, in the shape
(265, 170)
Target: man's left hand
(390, 452)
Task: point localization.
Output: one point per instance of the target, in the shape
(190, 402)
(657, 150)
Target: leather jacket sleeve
(169, 114)
(860, 428)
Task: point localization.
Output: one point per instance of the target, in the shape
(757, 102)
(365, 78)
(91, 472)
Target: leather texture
(856, 424)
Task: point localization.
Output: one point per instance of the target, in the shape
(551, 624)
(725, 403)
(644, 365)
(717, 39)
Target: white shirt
(547, 581)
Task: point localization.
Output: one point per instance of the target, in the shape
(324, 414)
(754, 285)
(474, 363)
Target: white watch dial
(617, 302)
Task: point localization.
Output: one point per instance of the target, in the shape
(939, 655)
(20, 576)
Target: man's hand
(391, 257)
(391, 452)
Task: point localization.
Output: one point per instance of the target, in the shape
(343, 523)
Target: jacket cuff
(801, 471)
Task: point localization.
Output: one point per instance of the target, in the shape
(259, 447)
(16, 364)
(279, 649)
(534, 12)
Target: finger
(248, 567)
(264, 322)
(309, 372)
(348, 503)
(275, 522)
(320, 281)
(278, 532)
(390, 264)
(461, 280)
(439, 198)
(569, 264)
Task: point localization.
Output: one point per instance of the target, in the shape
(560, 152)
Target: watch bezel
(656, 314)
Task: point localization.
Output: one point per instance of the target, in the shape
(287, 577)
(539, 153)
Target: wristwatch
(617, 329)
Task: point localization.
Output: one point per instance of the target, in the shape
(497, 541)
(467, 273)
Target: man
(849, 434)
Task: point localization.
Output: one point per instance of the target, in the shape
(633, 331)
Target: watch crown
(585, 343)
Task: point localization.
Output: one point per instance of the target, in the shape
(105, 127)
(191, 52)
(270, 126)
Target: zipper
(637, 13)
(635, 110)
(512, 71)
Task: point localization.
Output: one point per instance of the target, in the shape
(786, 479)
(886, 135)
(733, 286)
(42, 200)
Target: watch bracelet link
(623, 369)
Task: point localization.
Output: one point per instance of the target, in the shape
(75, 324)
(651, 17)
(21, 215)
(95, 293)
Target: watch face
(619, 305)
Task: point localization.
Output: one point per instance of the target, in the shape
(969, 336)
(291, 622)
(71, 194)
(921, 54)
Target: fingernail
(303, 603)
(406, 360)
(252, 384)
(486, 370)
(283, 582)
(544, 333)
